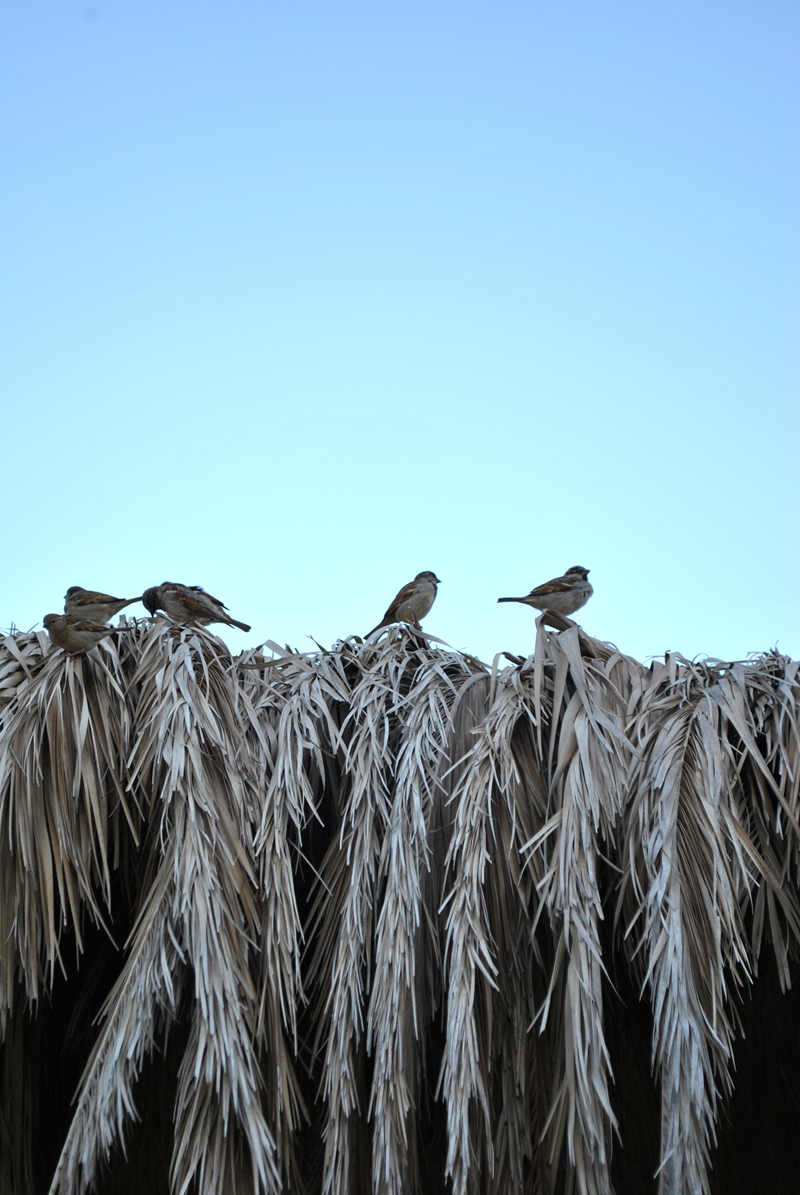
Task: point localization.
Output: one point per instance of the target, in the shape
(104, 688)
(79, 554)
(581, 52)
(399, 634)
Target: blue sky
(300, 299)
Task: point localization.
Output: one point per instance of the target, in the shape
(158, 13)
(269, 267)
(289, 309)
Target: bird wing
(557, 585)
(198, 601)
(391, 614)
(90, 597)
(195, 601)
(86, 624)
(408, 591)
(198, 589)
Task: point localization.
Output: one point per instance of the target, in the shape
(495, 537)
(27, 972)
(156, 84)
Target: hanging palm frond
(370, 926)
(543, 784)
(200, 910)
(64, 737)
(297, 704)
(693, 866)
(371, 907)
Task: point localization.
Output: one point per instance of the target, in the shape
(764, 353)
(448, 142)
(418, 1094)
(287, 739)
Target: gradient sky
(302, 298)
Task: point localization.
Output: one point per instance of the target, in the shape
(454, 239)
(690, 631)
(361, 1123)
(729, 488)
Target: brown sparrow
(564, 594)
(412, 602)
(76, 635)
(188, 603)
(87, 603)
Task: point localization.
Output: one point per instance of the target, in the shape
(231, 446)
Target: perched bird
(87, 603)
(412, 602)
(564, 595)
(75, 634)
(188, 603)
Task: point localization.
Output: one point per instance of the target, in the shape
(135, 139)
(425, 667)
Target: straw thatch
(384, 919)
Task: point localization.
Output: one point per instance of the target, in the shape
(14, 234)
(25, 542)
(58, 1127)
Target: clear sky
(300, 299)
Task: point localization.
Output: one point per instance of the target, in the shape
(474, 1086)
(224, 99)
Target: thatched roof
(380, 918)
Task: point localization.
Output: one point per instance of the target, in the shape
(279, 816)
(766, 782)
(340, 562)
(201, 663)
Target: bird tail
(241, 625)
(511, 600)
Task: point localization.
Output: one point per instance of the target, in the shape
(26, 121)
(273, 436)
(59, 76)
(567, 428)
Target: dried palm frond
(587, 789)
(425, 850)
(544, 781)
(62, 798)
(760, 701)
(471, 967)
(296, 707)
(21, 657)
(371, 888)
(405, 989)
(691, 868)
(137, 1015)
(200, 911)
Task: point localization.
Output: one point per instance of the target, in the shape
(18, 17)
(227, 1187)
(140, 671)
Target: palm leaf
(62, 798)
(187, 768)
(691, 867)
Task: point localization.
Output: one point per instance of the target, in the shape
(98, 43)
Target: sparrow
(412, 602)
(188, 603)
(87, 603)
(76, 635)
(564, 595)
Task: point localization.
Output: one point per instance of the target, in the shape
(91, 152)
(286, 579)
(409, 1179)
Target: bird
(188, 603)
(76, 635)
(563, 595)
(412, 602)
(87, 603)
